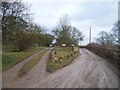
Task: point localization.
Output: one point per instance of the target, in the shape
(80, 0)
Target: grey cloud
(97, 12)
(100, 15)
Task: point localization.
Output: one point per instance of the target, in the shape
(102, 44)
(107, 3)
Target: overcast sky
(100, 15)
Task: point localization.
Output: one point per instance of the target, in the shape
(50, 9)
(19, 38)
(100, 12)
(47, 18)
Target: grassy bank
(11, 58)
(62, 57)
(29, 65)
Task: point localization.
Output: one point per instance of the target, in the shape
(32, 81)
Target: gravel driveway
(10, 76)
(87, 71)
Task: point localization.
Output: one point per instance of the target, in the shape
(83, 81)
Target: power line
(101, 19)
(108, 10)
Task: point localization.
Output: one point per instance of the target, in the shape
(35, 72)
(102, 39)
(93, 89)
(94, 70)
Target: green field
(11, 58)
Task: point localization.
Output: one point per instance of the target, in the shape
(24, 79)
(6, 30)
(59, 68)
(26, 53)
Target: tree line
(110, 39)
(20, 32)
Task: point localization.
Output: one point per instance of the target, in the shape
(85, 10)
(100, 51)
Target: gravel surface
(10, 76)
(87, 71)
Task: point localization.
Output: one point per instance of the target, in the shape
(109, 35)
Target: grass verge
(29, 65)
(67, 54)
(11, 58)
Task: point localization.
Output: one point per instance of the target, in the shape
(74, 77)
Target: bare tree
(14, 22)
(13, 14)
(116, 33)
(76, 35)
(67, 34)
(104, 38)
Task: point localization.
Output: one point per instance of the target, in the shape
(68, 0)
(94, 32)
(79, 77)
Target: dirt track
(87, 71)
(10, 76)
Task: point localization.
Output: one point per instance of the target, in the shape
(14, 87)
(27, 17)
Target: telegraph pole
(119, 26)
(90, 36)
